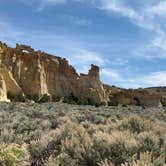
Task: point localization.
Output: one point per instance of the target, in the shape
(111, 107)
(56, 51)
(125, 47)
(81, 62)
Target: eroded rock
(37, 73)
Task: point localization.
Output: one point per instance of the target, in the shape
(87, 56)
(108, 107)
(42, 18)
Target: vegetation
(76, 100)
(58, 134)
(15, 98)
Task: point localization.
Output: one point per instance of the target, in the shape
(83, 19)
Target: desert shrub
(74, 142)
(44, 98)
(37, 152)
(159, 162)
(45, 124)
(163, 103)
(117, 148)
(61, 160)
(100, 104)
(124, 105)
(71, 99)
(136, 124)
(148, 141)
(83, 101)
(54, 123)
(61, 134)
(145, 159)
(112, 103)
(98, 119)
(25, 126)
(13, 154)
(151, 143)
(34, 97)
(137, 101)
(56, 98)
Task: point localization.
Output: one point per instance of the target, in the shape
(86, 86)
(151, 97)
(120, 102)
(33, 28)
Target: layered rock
(37, 73)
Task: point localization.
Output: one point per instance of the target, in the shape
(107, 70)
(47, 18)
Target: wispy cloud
(158, 9)
(152, 79)
(118, 7)
(42, 4)
(79, 57)
(111, 74)
(76, 21)
(150, 18)
(155, 79)
(82, 59)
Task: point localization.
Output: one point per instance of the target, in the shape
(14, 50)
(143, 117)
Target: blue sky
(126, 38)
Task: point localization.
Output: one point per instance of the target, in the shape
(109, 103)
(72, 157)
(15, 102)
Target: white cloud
(156, 79)
(118, 7)
(149, 80)
(150, 18)
(111, 74)
(158, 9)
(82, 59)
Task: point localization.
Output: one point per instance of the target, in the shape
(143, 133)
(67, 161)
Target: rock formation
(33, 72)
(140, 97)
(26, 72)
(3, 91)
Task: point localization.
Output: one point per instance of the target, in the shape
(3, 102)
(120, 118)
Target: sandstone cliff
(33, 72)
(140, 97)
(3, 91)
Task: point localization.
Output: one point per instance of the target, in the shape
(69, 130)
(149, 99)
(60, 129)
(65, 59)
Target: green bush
(100, 104)
(148, 142)
(112, 103)
(117, 148)
(83, 101)
(136, 124)
(71, 99)
(44, 98)
(56, 98)
(34, 97)
(163, 103)
(152, 143)
(13, 154)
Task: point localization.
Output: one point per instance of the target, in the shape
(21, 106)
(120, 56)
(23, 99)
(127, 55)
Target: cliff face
(37, 73)
(140, 97)
(3, 91)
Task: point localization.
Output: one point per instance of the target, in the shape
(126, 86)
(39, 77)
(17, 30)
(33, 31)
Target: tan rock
(38, 73)
(140, 97)
(3, 91)
(10, 83)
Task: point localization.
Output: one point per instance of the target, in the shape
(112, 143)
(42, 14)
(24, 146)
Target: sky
(125, 38)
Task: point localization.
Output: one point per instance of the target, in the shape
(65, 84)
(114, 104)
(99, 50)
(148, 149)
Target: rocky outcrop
(140, 97)
(26, 72)
(91, 86)
(10, 83)
(37, 73)
(3, 91)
